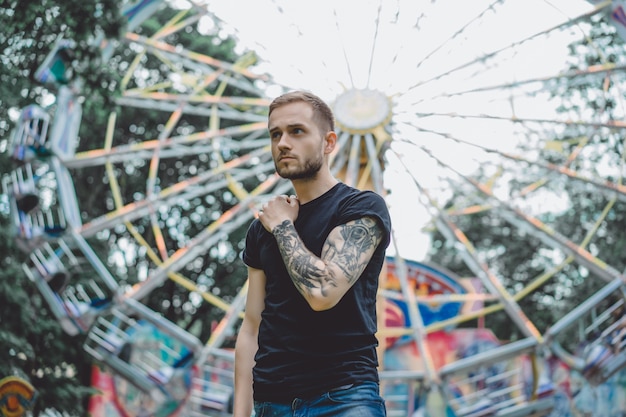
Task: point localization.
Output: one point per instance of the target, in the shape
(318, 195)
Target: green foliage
(29, 29)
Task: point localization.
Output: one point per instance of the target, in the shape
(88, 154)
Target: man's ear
(330, 140)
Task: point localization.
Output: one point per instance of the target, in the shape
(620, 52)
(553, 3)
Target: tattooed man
(307, 345)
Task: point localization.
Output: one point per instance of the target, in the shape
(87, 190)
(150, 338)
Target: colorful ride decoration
(434, 284)
(17, 396)
(152, 358)
(474, 373)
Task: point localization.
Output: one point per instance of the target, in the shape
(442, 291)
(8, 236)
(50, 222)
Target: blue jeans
(361, 400)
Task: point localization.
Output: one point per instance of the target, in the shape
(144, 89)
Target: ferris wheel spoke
(233, 314)
(597, 69)
(374, 43)
(173, 104)
(230, 220)
(605, 271)
(454, 234)
(204, 184)
(171, 147)
(527, 223)
(417, 330)
(485, 57)
(542, 231)
(343, 49)
(174, 276)
(612, 189)
(165, 101)
(609, 188)
(191, 59)
(612, 124)
(456, 34)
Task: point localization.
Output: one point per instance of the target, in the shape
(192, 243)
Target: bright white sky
(328, 46)
(323, 44)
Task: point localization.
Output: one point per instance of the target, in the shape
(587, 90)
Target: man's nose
(284, 141)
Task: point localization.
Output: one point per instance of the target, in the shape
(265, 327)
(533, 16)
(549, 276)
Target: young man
(307, 344)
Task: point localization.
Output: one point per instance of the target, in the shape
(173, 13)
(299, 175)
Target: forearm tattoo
(349, 253)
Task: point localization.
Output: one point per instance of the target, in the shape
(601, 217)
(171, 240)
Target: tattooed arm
(323, 281)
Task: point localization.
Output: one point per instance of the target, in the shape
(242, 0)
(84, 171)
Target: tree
(29, 31)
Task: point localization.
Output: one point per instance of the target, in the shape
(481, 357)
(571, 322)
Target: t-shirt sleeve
(368, 204)
(250, 255)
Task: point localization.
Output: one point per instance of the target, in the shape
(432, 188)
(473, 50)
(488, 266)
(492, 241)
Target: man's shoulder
(352, 195)
(347, 191)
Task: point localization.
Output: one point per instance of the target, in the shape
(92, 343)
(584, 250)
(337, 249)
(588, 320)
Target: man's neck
(309, 189)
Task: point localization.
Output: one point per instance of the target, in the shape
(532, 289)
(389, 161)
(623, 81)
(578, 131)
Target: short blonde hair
(322, 113)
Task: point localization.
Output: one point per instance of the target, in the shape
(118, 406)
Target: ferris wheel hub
(362, 110)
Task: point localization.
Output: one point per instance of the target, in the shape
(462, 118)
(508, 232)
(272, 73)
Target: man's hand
(277, 210)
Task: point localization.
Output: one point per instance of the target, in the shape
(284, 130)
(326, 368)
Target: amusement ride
(441, 107)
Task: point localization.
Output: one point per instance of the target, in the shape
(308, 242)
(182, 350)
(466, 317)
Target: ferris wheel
(442, 107)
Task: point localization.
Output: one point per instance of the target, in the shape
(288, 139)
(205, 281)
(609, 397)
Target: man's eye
(297, 130)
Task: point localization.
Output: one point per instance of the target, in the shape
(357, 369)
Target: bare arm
(247, 343)
(324, 281)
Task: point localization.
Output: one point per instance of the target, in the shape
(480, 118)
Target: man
(307, 344)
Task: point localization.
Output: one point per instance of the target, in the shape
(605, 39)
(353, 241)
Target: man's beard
(308, 171)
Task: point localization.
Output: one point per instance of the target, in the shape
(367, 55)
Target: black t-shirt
(302, 352)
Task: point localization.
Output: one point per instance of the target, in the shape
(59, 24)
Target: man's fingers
(293, 200)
